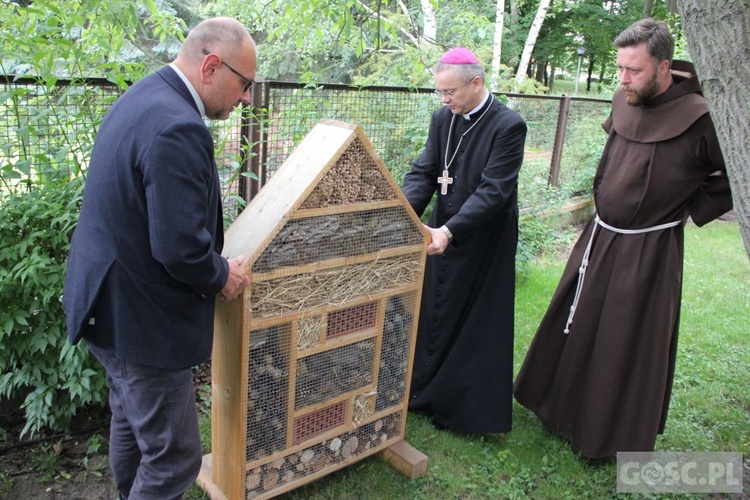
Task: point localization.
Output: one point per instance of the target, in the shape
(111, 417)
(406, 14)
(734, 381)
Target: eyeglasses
(249, 81)
(449, 93)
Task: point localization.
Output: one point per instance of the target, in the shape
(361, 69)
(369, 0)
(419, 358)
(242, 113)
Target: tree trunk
(589, 73)
(719, 43)
(648, 6)
(551, 84)
(671, 6)
(513, 15)
(541, 72)
(497, 43)
(528, 48)
(430, 22)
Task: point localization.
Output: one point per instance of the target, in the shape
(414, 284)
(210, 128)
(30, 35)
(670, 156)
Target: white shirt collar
(481, 104)
(193, 92)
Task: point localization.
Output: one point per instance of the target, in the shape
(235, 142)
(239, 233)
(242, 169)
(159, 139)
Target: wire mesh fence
(48, 131)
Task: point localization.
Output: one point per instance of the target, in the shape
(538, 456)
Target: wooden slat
(351, 338)
(344, 209)
(228, 414)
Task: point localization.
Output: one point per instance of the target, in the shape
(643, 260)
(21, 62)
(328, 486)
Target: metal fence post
(252, 131)
(562, 123)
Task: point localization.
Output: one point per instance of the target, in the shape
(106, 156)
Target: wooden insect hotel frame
(311, 365)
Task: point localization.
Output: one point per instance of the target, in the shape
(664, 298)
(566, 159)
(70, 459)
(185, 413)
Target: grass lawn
(710, 408)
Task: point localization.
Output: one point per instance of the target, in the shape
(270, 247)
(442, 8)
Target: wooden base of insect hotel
(311, 366)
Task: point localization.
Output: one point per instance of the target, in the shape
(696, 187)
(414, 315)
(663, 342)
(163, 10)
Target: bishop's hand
(439, 241)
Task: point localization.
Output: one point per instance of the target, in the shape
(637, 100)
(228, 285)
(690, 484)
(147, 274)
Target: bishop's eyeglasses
(449, 93)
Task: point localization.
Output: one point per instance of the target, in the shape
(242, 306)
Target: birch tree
(497, 44)
(429, 30)
(528, 47)
(719, 43)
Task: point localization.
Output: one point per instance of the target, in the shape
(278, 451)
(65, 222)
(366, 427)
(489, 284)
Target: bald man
(145, 262)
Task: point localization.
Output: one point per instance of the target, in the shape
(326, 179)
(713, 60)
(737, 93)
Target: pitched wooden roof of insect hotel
(312, 365)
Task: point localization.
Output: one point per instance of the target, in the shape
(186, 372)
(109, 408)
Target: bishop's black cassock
(463, 363)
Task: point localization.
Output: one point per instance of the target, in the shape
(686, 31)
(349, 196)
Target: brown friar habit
(606, 384)
(463, 362)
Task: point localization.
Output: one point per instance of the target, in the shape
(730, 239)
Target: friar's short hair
(654, 34)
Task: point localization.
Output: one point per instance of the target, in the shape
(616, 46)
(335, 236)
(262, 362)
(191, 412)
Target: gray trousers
(154, 447)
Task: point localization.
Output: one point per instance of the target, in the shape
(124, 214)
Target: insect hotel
(311, 365)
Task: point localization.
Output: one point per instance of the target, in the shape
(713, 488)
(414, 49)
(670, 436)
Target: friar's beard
(638, 96)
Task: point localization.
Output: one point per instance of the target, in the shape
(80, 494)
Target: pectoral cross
(444, 180)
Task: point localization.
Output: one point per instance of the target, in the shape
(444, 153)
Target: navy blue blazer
(145, 265)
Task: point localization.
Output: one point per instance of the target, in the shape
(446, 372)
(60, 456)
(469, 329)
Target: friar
(599, 370)
(463, 365)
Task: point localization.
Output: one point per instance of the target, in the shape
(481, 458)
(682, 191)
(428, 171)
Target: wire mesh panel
(351, 320)
(46, 131)
(317, 422)
(540, 142)
(334, 372)
(583, 146)
(394, 119)
(397, 120)
(324, 237)
(353, 179)
(268, 389)
(394, 355)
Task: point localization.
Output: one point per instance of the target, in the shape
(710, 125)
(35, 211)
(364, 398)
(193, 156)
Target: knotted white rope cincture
(587, 253)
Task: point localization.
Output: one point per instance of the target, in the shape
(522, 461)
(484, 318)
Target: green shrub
(54, 378)
(583, 149)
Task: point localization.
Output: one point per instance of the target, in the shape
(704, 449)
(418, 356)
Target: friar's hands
(236, 281)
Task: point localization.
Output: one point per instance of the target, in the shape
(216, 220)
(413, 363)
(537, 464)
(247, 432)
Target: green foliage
(583, 149)
(527, 86)
(46, 459)
(6, 482)
(535, 234)
(95, 445)
(37, 362)
(462, 24)
(50, 131)
(397, 69)
(51, 126)
(539, 226)
(342, 41)
(51, 39)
